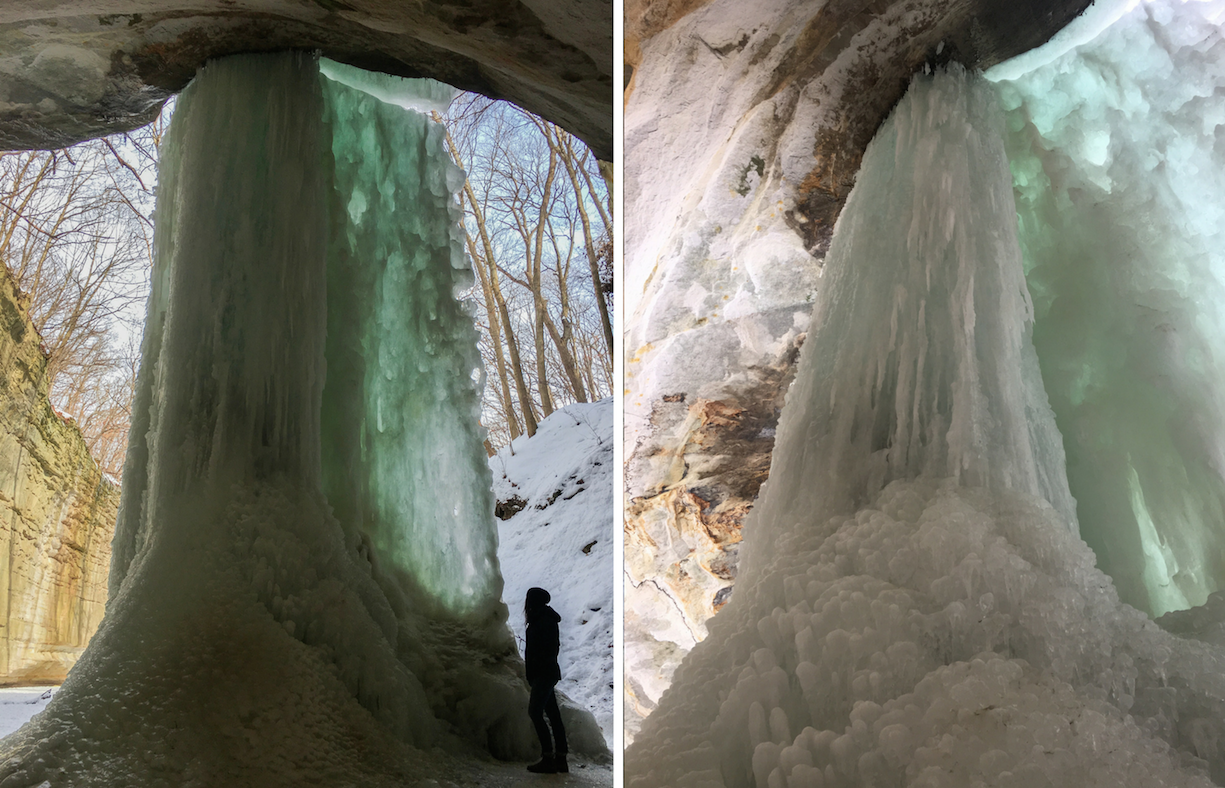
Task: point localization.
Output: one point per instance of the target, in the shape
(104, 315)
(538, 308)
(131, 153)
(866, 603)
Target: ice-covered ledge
(745, 126)
(70, 71)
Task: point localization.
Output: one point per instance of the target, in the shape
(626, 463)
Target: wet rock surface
(683, 532)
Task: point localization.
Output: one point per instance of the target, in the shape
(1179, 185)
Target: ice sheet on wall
(404, 463)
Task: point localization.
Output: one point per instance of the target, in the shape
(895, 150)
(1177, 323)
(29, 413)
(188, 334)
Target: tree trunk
(495, 339)
(537, 283)
(502, 315)
(567, 156)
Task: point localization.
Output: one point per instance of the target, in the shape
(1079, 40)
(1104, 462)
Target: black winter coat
(543, 643)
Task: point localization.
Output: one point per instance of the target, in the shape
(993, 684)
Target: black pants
(543, 701)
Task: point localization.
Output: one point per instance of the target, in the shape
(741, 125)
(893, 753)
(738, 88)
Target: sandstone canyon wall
(57, 515)
(744, 130)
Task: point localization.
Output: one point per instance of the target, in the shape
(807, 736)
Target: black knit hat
(536, 597)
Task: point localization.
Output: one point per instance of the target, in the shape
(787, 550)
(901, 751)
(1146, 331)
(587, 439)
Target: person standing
(543, 673)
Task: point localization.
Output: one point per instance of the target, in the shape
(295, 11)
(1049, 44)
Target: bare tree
(538, 218)
(574, 157)
(499, 331)
(76, 233)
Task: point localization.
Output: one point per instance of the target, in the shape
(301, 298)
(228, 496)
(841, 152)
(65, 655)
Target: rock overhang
(72, 71)
(914, 34)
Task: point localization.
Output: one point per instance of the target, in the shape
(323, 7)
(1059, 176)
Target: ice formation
(402, 463)
(305, 585)
(914, 606)
(1120, 179)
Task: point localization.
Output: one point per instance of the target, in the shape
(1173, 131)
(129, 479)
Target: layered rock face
(71, 71)
(745, 127)
(57, 516)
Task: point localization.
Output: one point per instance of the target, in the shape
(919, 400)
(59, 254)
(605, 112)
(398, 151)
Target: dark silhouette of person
(543, 673)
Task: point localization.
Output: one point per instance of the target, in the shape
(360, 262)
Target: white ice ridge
(894, 628)
(420, 95)
(1099, 16)
(305, 586)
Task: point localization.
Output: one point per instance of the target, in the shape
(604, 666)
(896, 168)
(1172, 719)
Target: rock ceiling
(74, 70)
(977, 33)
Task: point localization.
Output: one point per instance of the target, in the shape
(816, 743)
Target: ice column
(223, 487)
(232, 371)
(404, 463)
(918, 361)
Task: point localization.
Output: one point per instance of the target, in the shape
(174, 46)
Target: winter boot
(559, 764)
(546, 765)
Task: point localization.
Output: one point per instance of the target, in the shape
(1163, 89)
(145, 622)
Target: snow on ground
(18, 704)
(561, 539)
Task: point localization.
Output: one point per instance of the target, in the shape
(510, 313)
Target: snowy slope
(19, 704)
(562, 540)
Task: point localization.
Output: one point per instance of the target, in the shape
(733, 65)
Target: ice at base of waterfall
(940, 636)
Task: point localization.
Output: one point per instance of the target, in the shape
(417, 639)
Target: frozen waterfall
(915, 607)
(305, 583)
(1120, 176)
